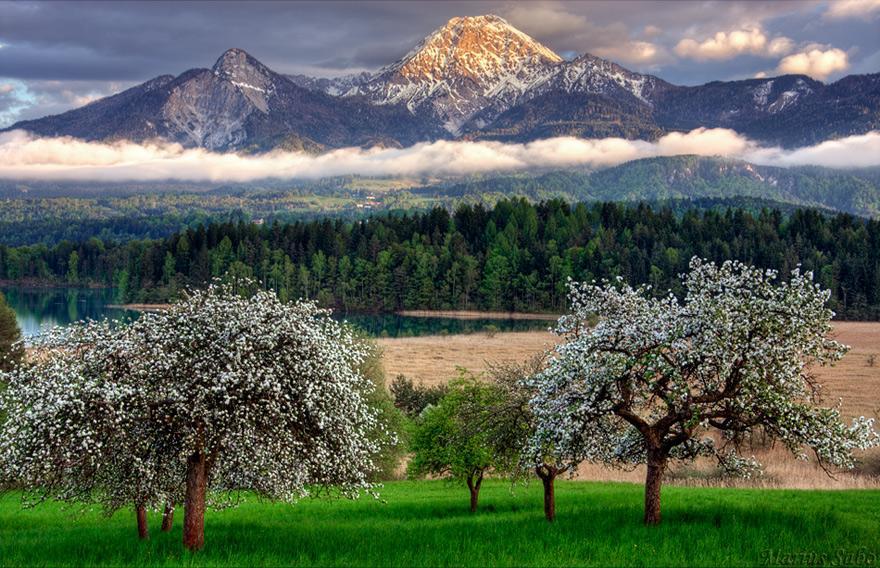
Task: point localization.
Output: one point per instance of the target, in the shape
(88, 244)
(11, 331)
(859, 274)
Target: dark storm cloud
(96, 46)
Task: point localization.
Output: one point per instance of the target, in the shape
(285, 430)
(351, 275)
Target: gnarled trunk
(168, 517)
(656, 467)
(194, 503)
(143, 527)
(548, 474)
(473, 484)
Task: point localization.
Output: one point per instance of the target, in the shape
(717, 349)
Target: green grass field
(427, 524)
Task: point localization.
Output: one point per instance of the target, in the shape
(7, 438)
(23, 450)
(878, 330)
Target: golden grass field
(853, 381)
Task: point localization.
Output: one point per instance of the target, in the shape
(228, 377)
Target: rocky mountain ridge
(474, 78)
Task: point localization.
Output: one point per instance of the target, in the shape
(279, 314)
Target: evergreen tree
(11, 351)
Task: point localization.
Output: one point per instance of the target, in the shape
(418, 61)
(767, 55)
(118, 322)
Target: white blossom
(659, 375)
(268, 392)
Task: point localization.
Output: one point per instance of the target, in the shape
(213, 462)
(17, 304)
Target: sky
(55, 56)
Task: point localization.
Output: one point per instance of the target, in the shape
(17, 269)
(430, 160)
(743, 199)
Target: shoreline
(451, 314)
(476, 314)
(140, 307)
(49, 285)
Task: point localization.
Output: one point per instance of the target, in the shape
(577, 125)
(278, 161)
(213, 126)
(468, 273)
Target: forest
(514, 256)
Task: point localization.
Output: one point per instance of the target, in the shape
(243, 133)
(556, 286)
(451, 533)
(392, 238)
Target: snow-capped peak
(458, 67)
(474, 46)
(474, 68)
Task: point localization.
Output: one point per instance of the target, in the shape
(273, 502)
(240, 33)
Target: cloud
(727, 45)
(862, 151)
(844, 9)
(546, 19)
(564, 30)
(25, 157)
(815, 62)
(635, 52)
(652, 31)
(22, 100)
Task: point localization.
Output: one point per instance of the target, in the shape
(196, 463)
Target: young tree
(444, 444)
(518, 448)
(511, 426)
(412, 398)
(654, 376)
(11, 350)
(72, 276)
(390, 421)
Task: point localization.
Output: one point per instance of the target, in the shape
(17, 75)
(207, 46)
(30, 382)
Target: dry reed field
(433, 359)
(855, 381)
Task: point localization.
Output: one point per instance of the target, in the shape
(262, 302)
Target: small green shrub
(413, 398)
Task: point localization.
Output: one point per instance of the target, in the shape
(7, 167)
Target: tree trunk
(143, 527)
(656, 467)
(194, 504)
(168, 517)
(548, 478)
(473, 484)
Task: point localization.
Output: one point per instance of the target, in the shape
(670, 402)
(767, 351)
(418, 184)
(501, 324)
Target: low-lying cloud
(26, 157)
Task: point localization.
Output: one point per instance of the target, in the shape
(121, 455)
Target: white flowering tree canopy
(656, 375)
(221, 391)
(77, 424)
(269, 393)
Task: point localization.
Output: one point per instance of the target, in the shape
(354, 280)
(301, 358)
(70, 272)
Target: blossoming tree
(656, 377)
(78, 427)
(236, 393)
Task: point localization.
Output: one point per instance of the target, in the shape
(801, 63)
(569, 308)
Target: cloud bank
(726, 45)
(842, 9)
(25, 157)
(815, 62)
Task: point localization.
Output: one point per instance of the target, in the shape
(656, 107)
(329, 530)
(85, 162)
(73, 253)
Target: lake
(43, 308)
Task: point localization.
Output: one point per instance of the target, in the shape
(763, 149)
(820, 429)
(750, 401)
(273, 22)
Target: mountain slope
(462, 68)
(690, 178)
(561, 113)
(238, 104)
(473, 78)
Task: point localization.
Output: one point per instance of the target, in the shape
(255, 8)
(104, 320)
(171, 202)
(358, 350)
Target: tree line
(513, 256)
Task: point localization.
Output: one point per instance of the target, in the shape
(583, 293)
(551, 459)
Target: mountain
(239, 104)
(473, 78)
(467, 66)
(676, 178)
(470, 71)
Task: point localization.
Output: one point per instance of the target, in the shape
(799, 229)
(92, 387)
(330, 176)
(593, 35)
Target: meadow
(426, 523)
(854, 382)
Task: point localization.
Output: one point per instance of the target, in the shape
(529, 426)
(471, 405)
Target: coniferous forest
(515, 256)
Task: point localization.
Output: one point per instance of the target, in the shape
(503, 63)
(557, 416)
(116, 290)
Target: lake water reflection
(42, 308)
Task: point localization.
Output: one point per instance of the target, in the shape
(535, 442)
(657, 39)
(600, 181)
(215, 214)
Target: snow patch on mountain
(475, 68)
(461, 68)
